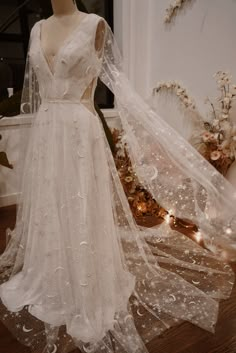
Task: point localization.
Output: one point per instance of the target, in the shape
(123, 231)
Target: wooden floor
(184, 338)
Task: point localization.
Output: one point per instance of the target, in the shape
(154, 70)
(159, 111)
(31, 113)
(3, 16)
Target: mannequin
(77, 261)
(65, 19)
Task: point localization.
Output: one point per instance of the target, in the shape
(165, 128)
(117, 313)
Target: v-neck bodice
(63, 44)
(76, 64)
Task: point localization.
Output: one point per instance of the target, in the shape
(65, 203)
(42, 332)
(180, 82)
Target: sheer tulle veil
(181, 180)
(173, 277)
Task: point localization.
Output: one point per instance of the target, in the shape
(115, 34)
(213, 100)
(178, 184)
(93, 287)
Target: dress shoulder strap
(98, 29)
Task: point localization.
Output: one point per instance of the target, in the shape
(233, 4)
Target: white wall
(200, 42)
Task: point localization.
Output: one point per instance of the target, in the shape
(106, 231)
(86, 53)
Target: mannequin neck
(64, 7)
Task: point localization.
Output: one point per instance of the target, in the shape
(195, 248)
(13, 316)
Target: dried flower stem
(173, 9)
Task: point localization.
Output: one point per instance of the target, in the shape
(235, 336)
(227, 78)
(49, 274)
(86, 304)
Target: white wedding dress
(78, 271)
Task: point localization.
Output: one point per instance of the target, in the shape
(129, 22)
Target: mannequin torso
(58, 28)
(55, 30)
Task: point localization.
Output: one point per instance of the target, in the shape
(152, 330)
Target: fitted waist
(69, 101)
(85, 102)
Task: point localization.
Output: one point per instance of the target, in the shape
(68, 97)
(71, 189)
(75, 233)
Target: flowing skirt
(78, 271)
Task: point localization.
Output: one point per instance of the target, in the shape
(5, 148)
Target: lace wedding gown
(77, 270)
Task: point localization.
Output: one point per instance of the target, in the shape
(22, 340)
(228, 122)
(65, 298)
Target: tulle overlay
(78, 271)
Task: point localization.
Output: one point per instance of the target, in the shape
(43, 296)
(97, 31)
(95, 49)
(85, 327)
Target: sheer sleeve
(100, 37)
(176, 175)
(30, 101)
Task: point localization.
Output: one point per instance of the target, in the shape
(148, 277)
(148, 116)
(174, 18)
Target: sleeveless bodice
(76, 65)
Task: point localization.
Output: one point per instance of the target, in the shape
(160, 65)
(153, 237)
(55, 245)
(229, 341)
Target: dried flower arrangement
(140, 200)
(215, 139)
(145, 209)
(178, 90)
(173, 9)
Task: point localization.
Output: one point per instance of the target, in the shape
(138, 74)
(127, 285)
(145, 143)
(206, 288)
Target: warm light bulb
(167, 218)
(198, 236)
(228, 231)
(224, 255)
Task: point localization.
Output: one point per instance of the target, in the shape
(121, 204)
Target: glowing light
(142, 207)
(224, 255)
(228, 231)
(168, 216)
(198, 236)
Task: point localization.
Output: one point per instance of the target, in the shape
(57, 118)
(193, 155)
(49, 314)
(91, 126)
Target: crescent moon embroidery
(146, 275)
(78, 194)
(226, 266)
(87, 350)
(192, 303)
(58, 268)
(139, 314)
(128, 317)
(83, 243)
(155, 173)
(172, 296)
(195, 282)
(54, 348)
(115, 322)
(23, 107)
(83, 284)
(80, 155)
(158, 240)
(26, 330)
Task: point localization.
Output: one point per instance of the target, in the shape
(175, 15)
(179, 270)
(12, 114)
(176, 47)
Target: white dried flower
(181, 92)
(215, 155)
(215, 122)
(224, 116)
(173, 9)
(224, 144)
(128, 179)
(207, 136)
(226, 100)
